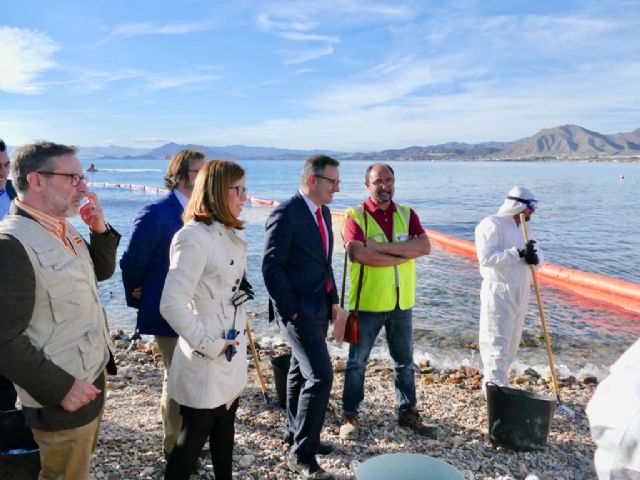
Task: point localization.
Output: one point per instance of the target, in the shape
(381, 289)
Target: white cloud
(141, 142)
(128, 30)
(294, 58)
(92, 81)
(299, 21)
(169, 80)
(87, 81)
(589, 97)
(291, 22)
(295, 27)
(24, 55)
(523, 35)
(305, 15)
(391, 82)
(243, 91)
(309, 37)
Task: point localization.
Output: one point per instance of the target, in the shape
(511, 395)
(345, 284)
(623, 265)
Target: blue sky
(353, 75)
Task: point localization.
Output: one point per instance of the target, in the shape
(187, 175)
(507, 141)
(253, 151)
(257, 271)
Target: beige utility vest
(68, 323)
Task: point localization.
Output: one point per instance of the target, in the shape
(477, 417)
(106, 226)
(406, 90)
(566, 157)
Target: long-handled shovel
(563, 409)
(256, 361)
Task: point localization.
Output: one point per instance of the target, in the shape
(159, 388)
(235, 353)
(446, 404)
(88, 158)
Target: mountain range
(566, 141)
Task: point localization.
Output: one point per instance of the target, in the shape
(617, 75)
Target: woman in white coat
(201, 300)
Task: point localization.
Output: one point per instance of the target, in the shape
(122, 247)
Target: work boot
(349, 427)
(411, 418)
(308, 471)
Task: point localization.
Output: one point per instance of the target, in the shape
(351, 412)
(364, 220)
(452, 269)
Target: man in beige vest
(54, 342)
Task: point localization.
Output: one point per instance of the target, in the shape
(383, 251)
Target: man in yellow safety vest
(385, 238)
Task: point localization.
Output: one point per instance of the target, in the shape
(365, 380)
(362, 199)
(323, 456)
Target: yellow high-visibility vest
(381, 285)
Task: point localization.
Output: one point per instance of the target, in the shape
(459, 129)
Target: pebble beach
(130, 445)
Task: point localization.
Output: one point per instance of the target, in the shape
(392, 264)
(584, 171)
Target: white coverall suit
(614, 417)
(504, 295)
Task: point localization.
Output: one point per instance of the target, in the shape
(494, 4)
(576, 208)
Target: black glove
(246, 287)
(529, 253)
(244, 293)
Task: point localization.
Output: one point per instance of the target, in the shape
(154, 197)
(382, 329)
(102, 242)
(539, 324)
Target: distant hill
(112, 151)
(575, 141)
(167, 150)
(565, 141)
(436, 152)
(630, 140)
(238, 152)
(559, 142)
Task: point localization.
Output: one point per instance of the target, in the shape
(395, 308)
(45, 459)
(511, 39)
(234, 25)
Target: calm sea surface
(586, 220)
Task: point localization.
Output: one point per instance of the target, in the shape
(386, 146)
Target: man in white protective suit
(614, 417)
(504, 260)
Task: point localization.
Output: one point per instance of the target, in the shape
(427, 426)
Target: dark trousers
(198, 425)
(8, 395)
(308, 383)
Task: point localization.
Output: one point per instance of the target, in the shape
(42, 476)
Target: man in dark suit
(145, 264)
(303, 298)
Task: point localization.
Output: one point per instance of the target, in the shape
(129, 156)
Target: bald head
(380, 181)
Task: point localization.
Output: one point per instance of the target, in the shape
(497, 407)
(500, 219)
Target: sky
(350, 75)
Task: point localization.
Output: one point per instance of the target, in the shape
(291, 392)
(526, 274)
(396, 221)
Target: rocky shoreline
(130, 445)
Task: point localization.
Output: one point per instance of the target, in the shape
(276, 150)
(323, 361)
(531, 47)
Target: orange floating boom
(596, 287)
(589, 285)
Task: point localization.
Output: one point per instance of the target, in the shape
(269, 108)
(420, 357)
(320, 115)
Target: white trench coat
(207, 265)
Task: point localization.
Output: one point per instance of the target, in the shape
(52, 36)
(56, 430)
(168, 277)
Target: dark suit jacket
(294, 265)
(11, 192)
(145, 262)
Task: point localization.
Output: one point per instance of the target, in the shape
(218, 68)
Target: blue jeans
(398, 327)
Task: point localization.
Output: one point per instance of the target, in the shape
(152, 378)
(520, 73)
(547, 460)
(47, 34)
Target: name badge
(402, 237)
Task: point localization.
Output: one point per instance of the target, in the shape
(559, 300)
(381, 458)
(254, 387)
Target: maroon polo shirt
(384, 218)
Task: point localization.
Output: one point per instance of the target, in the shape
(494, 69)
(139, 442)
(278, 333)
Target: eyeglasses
(75, 177)
(334, 181)
(240, 191)
(3, 146)
(530, 203)
(384, 181)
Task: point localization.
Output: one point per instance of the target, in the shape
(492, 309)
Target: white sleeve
(489, 249)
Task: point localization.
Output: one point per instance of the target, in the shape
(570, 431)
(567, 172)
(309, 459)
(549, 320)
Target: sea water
(586, 220)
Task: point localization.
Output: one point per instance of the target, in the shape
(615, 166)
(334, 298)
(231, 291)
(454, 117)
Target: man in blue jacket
(8, 393)
(145, 264)
(7, 192)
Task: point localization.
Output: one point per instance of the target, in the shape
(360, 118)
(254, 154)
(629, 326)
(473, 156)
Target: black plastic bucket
(19, 453)
(280, 365)
(518, 420)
